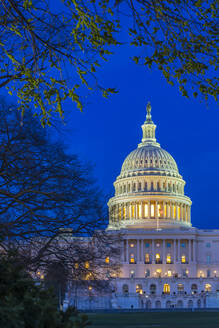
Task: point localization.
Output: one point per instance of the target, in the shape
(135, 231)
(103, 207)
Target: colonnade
(140, 251)
(150, 209)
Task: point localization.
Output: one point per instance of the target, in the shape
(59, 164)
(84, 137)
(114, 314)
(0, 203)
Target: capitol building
(165, 261)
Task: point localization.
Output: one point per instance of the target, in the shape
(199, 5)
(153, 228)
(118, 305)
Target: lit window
(168, 260)
(87, 265)
(166, 289)
(157, 257)
(158, 245)
(183, 259)
(152, 209)
(132, 274)
(90, 287)
(158, 272)
(169, 273)
(107, 259)
(146, 208)
(76, 265)
(208, 288)
(132, 258)
(147, 258)
(139, 289)
(132, 245)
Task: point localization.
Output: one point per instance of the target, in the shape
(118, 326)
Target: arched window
(153, 288)
(147, 258)
(132, 274)
(183, 259)
(125, 289)
(157, 258)
(147, 273)
(158, 305)
(139, 289)
(168, 259)
(166, 289)
(199, 304)
(168, 304)
(208, 287)
(148, 304)
(132, 258)
(179, 304)
(180, 288)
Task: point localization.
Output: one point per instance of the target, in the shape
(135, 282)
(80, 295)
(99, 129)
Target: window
(194, 288)
(183, 245)
(139, 289)
(168, 245)
(208, 273)
(208, 245)
(180, 288)
(132, 258)
(153, 288)
(183, 259)
(169, 273)
(168, 259)
(158, 272)
(166, 289)
(147, 258)
(107, 259)
(157, 258)
(147, 273)
(208, 288)
(147, 245)
(132, 245)
(125, 289)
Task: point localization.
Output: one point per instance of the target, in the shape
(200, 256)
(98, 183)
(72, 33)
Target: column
(189, 213)
(178, 253)
(194, 251)
(153, 255)
(171, 210)
(126, 211)
(149, 209)
(163, 255)
(162, 209)
(156, 210)
(181, 212)
(134, 211)
(127, 251)
(138, 259)
(174, 251)
(176, 211)
(142, 251)
(189, 241)
(168, 210)
(142, 211)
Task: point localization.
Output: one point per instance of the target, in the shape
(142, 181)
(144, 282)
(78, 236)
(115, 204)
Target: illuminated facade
(165, 262)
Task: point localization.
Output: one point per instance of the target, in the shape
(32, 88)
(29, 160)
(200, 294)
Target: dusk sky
(108, 130)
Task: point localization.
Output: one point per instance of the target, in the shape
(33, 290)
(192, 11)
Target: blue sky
(108, 130)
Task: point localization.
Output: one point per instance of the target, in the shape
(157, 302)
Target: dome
(149, 159)
(149, 192)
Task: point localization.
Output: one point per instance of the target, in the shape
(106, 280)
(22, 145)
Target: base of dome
(148, 224)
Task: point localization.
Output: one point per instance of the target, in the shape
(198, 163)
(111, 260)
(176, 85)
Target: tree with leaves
(25, 304)
(49, 54)
(51, 210)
